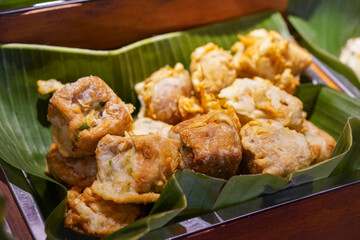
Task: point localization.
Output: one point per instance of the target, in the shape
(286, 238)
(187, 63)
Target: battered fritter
(211, 69)
(272, 148)
(320, 142)
(211, 143)
(134, 169)
(91, 215)
(160, 93)
(78, 172)
(190, 107)
(82, 113)
(258, 98)
(144, 126)
(268, 55)
(49, 86)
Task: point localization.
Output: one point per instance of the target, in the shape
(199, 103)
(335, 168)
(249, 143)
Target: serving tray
(34, 186)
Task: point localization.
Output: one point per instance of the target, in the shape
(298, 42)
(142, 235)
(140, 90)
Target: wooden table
(332, 215)
(15, 223)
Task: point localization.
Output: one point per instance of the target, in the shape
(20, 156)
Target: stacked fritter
(228, 115)
(113, 174)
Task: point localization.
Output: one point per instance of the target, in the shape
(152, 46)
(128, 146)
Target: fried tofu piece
(211, 69)
(82, 113)
(258, 98)
(160, 93)
(271, 148)
(268, 55)
(211, 143)
(91, 215)
(134, 169)
(80, 172)
(145, 126)
(320, 142)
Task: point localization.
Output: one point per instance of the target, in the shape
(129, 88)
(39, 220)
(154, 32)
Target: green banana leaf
(25, 134)
(325, 26)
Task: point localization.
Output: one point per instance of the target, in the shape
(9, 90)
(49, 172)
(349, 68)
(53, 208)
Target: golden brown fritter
(145, 126)
(190, 107)
(82, 113)
(160, 93)
(211, 143)
(258, 98)
(91, 215)
(78, 172)
(271, 148)
(211, 69)
(320, 142)
(49, 86)
(148, 126)
(268, 55)
(134, 169)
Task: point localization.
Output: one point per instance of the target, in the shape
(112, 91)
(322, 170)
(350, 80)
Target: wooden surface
(13, 215)
(109, 24)
(332, 216)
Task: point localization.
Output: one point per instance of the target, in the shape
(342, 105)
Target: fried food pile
(228, 115)
(112, 168)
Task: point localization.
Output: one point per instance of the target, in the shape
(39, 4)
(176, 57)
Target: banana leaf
(324, 27)
(25, 133)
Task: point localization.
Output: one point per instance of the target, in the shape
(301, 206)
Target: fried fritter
(78, 172)
(160, 93)
(350, 54)
(91, 215)
(190, 107)
(271, 148)
(145, 126)
(82, 113)
(320, 142)
(268, 55)
(258, 98)
(211, 69)
(134, 169)
(211, 143)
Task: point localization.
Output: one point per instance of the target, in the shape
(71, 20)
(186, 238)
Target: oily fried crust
(161, 92)
(211, 143)
(211, 69)
(145, 126)
(320, 142)
(80, 172)
(89, 214)
(68, 110)
(267, 54)
(134, 169)
(271, 148)
(258, 98)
